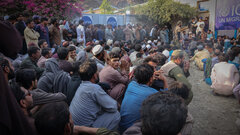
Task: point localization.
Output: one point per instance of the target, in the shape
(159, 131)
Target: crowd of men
(85, 79)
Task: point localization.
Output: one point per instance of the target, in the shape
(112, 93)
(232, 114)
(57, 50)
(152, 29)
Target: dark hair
(160, 58)
(88, 48)
(44, 19)
(160, 49)
(87, 70)
(113, 55)
(76, 66)
(179, 89)
(139, 55)
(101, 42)
(18, 93)
(106, 47)
(223, 57)
(53, 20)
(71, 48)
(138, 47)
(62, 53)
(24, 77)
(45, 51)
(52, 118)
(148, 59)
(163, 114)
(32, 50)
(81, 21)
(4, 62)
(28, 21)
(41, 41)
(143, 73)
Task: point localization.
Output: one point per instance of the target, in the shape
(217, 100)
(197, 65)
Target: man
(117, 80)
(91, 105)
(200, 26)
(81, 34)
(20, 26)
(32, 59)
(99, 55)
(177, 31)
(128, 33)
(136, 92)
(72, 54)
(160, 81)
(199, 56)
(161, 114)
(89, 33)
(174, 72)
(49, 121)
(26, 78)
(24, 99)
(54, 32)
(46, 54)
(119, 34)
(100, 33)
(8, 70)
(42, 43)
(193, 26)
(63, 55)
(225, 76)
(30, 35)
(137, 32)
(42, 29)
(138, 49)
(109, 33)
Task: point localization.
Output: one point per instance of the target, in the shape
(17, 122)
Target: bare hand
(159, 75)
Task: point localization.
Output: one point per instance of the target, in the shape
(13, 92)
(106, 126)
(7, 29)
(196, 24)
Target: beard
(11, 74)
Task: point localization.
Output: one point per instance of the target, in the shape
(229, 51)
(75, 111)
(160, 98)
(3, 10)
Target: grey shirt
(89, 102)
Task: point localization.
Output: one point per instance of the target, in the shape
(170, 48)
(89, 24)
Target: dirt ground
(213, 115)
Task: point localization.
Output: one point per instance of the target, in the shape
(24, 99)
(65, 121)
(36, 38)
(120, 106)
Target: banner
(112, 21)
(227, 15)
(87, 19)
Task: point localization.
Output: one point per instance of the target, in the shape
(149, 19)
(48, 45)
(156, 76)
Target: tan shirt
(31, 36)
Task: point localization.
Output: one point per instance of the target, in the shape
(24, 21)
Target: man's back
(130, 109)
(89, 101)
(224, 82)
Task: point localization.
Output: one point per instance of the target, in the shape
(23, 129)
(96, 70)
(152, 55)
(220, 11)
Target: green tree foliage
(166, 11)
(106, 7)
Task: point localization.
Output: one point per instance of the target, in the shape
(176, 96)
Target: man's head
(178, 57)
(62, 53)
(7, 68)
(72, 51)
(30, 23)
(22, 95)
(34, 53)
(113, 60)
(46, 52)
(163, 114)
(81, 22)
(54, 119)
(44, 21)
(88, 71)
(144, 74)
(217, 52)
(179, 89)
(27, 78)
(223, 57)
(98, 52)
(54, 21)
(151, 61)
(42, 43)
(138, 48)
(200, 47)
